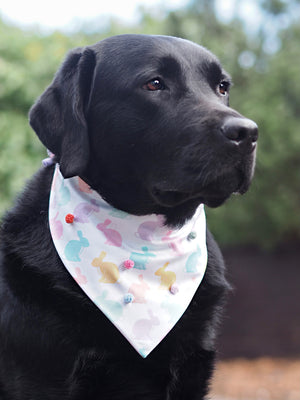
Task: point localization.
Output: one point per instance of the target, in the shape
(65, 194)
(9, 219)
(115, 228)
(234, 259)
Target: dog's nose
(240, 130)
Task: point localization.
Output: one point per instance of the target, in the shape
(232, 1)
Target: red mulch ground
(260, 379)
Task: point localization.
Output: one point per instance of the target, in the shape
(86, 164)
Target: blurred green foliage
(265, 68)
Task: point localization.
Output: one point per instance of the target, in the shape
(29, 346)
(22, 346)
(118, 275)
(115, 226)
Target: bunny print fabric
(141, 274)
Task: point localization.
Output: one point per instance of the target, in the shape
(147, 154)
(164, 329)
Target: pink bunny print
(79, 278)
(113, 237)
(142, 328)
(56, 227)
(139, 290)
(84, 187)
(172, 245)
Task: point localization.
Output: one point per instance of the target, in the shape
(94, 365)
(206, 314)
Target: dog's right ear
(58, 116)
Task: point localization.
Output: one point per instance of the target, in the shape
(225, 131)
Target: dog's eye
(154, 84)
(223, 88)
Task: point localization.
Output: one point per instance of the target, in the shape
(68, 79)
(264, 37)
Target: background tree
(264, 65)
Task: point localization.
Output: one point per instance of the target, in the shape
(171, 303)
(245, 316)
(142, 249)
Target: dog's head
(145, 120)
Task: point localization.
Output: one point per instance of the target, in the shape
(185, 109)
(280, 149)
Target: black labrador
(145, 121)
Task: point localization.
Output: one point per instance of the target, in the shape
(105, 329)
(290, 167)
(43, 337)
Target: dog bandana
(141, 274)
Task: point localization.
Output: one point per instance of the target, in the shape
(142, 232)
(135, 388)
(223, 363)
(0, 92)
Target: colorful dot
(128, 264)
(174, 289)
(192, 236)
(69, 218)
(128, 298)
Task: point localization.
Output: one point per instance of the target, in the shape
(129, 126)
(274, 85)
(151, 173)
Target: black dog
(145, 121)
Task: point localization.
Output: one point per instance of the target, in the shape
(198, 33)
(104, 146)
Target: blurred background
(258, 42)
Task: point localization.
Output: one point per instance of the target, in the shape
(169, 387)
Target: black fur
(163, 151)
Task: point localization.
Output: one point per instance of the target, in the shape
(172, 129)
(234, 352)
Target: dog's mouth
(213, 194)
(173, 198)
(170, 198)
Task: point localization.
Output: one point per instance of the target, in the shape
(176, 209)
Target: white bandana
(139, 273)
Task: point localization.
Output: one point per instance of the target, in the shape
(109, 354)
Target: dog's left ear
(58, 116)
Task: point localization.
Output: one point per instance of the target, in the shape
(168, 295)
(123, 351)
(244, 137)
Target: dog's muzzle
(242, 132)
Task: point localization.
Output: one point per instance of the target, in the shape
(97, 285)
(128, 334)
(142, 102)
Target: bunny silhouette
(142, 327)
(167, 236)
(147, 228)
(83, 186)
(167, 277)
(109, 270)
(141, 259)
(83, 210)
(113, 237)
(174, 310)
(172, 243)
(56, 227)
(75, 247)
(192, 262)
(79, 278)
(139, 290)
(64, 195)
(118, 213)
(112, 309)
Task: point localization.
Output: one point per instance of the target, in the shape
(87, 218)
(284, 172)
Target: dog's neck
(139, 272)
